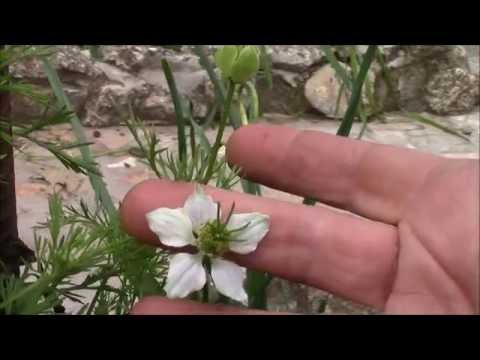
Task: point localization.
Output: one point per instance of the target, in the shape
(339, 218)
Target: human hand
(415, 248)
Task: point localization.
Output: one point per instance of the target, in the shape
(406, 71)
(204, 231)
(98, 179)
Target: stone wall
(436, 79)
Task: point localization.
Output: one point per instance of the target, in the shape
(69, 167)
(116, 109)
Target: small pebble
(97, 134)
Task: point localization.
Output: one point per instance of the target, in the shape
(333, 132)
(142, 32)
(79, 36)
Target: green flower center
(213, 238)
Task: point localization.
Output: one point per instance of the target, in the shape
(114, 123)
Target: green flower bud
(225, 58)
(238, 63)
(246, 65)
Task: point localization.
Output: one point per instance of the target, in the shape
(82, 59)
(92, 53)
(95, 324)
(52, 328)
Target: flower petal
(228, 278)
(254, 227)
(185, 275)
(200, 208)
(172, 226)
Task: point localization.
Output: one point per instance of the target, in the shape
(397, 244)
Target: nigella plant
(200, 224)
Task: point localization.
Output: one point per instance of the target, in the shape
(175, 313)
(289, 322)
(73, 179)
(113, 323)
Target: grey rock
(323, 88)
(473, 54)
(26, 110)
(108, 104)
(286, 296)
(127, 57)
(158, 107)
(136, 76)
(102, 90)
(296, 58)
(75, 69)
(414, 73)
(133, 58)
(322, 91)
(191, 80)
(74, 66)
(286, 95)
(401, 55)
(404, 89)
(453, 91)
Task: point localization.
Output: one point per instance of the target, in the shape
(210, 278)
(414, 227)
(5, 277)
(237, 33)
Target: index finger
(346, 255)
(369, 179)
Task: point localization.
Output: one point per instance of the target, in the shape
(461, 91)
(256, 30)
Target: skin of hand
(408, 242)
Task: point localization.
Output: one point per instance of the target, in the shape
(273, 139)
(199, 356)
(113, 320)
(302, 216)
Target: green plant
(80, 241)
(82, 254)
(12, 250)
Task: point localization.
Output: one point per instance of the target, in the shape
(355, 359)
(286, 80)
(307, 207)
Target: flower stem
(243, 114)
(208, 267)
(205, 293)
(221, 128)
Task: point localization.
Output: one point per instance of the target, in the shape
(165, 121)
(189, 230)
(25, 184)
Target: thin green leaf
(425, 120)
(205, 62)
(347, 123)
(257, 283)
(254, 103)
(266, 64)
(337, 66)
(98, 185)
(177, 103)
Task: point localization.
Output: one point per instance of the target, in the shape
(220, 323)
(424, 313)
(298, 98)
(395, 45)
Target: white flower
(199, 224)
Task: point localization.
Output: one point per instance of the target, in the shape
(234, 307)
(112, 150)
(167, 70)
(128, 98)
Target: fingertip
(241, 139)
(130, 206)
(145, 197)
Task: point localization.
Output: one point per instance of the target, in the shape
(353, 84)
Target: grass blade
(100, 188)
(424, 120)
(266, 64)
(205, 62)
(254, 112)
(347, 123)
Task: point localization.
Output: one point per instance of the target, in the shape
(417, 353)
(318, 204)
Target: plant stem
(95, 297)
(243, 114)
(364, 126)
(208, 269)
(254, 108)
(221, 128)
(266, 64)
(199, 50)
(179, 115)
